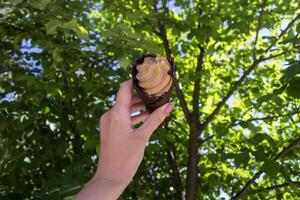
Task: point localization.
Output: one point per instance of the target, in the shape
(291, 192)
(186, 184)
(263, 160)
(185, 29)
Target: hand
(122, 146)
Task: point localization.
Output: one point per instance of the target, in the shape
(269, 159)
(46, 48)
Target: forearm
(101, 189)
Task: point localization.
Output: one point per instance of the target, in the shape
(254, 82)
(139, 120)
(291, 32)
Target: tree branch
(171, 157)
(274, 187)
(182, 101)
(284, 31)
(201, 142)
(274, 56)
(258, 27)
(228, 95)
(252, 119)
(196, 92)
(242, 192)
(175, 170)
(270, 117)
(243, 77)
(163, 36)
(181, 127)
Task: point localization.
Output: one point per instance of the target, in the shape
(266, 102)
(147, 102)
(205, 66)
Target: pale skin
(121, 145)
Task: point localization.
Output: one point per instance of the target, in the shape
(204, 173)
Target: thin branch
(175, 170)
(242, 192)
(274, 187)
(274, 56)
(201, 142)
(284, 31)
(252, 119)
(181, 127)
(258, 27)
(181, 98)
(270, 117)
(171, 157)
(196, 92)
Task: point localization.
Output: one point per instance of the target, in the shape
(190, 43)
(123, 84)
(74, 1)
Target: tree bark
(192, 166)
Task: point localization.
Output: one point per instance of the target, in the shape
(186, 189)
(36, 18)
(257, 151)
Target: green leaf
(16, 1)
(170, 138)
(244, 124)
(39, 4)
(253, 128)
(264, 98)
(3, 126)
(18, 40)
(51, 26)
(285, 173)
(70, 25)
(271, 168)
(59, 91)
(44, 44)
(124, 62)
(47, 110)
(293, 89)
(213, 158)
(97, 148)
(221, 129)
(257, 138)
(56, 55)
(241, 159)
(259, 154)
(82, 33)
(292, 70)
(277, 100)
(153, 148)
(149, 46)
(279, 90)
(92, 141)
(227, 79)
(298, 28)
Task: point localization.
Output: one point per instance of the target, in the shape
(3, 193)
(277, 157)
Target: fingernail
(168, 108)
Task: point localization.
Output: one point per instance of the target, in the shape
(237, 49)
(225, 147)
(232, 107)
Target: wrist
(121, 183)
(101, 188)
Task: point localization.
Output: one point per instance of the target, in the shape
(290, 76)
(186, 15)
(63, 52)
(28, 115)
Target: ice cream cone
(153, 101)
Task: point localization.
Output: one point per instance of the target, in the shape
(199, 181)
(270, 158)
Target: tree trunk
(192, 166)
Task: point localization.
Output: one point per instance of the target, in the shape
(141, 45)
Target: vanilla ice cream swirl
(153, 75)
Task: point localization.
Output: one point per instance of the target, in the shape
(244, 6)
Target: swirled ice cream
(153, 75)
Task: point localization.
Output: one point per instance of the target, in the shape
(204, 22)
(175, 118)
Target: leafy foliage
(62, 63)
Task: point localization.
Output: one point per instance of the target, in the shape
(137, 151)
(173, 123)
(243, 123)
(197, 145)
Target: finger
(136, 99)
(154, 120)
(137, 107)
(124, 94)
(139, 118)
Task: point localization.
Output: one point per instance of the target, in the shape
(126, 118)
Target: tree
(234, 133)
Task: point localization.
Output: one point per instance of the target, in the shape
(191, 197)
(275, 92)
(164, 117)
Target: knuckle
(160, 118)
(116, 113)
(141, 136)
(123, 84)
(103, 118)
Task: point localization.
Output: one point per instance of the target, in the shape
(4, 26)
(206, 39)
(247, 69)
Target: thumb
(155, 119)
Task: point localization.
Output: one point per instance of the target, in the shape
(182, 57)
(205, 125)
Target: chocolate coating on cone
(151, 101)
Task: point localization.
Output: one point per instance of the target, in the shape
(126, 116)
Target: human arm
(121, 145)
